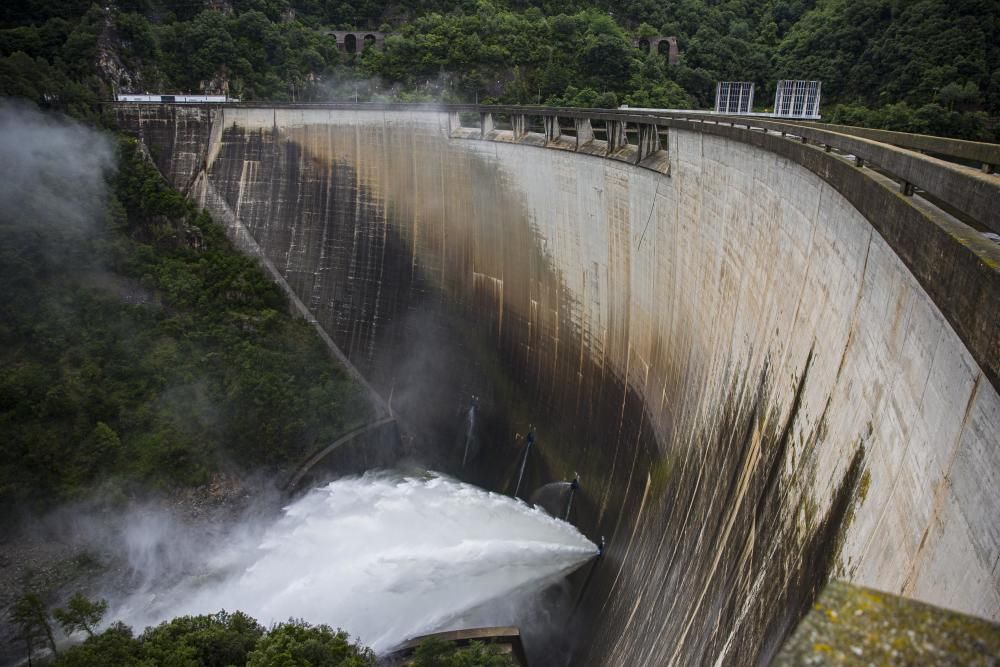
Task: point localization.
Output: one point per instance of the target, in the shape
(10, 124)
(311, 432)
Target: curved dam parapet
(766, 371)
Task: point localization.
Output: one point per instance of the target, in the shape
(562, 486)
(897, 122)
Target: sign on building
(733, 97)
(797, 99)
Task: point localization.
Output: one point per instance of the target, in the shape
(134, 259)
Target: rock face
(109, 64)
(754, 389)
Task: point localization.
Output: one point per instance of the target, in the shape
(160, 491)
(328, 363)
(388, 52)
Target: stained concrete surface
(753, 387)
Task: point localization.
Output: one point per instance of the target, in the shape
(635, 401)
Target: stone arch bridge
(661, 44)
(354, 41)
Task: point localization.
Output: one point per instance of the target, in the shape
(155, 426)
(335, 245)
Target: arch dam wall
(756, 390)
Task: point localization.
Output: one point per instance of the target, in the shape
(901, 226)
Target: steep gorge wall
(753, 387)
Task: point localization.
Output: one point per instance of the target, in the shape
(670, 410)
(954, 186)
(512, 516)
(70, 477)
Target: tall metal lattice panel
(797, 99)
(734, 97)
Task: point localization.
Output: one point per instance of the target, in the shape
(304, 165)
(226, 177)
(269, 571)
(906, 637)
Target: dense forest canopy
(923, 66)
(221, 639)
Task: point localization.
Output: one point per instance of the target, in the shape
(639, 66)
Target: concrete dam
(770, 364)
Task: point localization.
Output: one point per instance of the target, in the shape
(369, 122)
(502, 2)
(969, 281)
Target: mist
(52, 175)
(349, 88)
(385, 556)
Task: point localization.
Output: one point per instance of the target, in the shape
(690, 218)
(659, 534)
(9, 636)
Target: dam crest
(771, 363)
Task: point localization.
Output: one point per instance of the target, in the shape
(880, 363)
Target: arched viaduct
(661, 44)
(354, 41)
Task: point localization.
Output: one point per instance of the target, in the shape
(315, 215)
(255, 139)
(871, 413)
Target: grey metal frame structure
(734, 97)
(797, 99)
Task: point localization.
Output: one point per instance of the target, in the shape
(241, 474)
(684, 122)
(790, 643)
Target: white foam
(385, 558)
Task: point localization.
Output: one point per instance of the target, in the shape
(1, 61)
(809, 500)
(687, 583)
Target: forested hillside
(923, 65)
(139, 350)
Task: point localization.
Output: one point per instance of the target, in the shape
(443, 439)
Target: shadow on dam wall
(727, 364)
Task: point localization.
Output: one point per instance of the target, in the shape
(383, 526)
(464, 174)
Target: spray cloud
(384, 557)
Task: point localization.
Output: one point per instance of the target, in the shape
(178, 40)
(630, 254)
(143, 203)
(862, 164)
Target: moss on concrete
(850, 625)
(661, 473)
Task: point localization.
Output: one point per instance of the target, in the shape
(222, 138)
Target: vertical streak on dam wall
(753, 387)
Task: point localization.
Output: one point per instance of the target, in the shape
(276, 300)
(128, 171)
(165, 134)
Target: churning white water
(386, 558)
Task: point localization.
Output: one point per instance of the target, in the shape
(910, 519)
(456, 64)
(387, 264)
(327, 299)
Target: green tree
(222, 640)
(80, 614)
(956, 95)
(214, 640)
(30, 619)
(115, 647)
(433, 652)
(297, 644)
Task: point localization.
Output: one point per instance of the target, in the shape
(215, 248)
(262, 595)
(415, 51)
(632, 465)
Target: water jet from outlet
(530, 440)
(384, 557)
(470, 428)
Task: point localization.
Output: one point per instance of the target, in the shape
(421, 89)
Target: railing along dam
(768, 364)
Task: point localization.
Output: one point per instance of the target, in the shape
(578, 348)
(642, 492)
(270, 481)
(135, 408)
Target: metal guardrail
(986, 155)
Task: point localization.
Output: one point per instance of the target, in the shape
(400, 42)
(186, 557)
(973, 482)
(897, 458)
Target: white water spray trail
(470, 430)
(383, 557)
(524, 462)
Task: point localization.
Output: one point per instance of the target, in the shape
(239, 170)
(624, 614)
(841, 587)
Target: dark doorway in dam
(350, 43)
(369, 41)
(663, 47)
